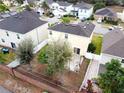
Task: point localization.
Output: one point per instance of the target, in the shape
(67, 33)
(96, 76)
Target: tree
(3, 8)
(20, 1)
(99, 5)
(57, 54)
(112, 81)
(45, 6)
(24, 51)
(91, 48)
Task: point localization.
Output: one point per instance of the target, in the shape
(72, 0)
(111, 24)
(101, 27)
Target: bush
(99, 5)
(91, 17)
(91, 48)
(66, 20)
(110, 21)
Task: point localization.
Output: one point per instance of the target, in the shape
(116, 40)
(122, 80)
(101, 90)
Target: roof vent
(85, 27)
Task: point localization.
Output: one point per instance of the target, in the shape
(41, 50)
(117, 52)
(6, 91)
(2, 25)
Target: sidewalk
(92, 72)
(3, 90)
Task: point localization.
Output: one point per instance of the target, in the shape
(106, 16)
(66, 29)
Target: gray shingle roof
(113, 43)
(81, 29)
(61, 3)
(83, 5)
(22, 22)
(106, 12)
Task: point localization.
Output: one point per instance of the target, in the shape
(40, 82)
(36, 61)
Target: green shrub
(66, 20)
(91, 17)
(91, 48)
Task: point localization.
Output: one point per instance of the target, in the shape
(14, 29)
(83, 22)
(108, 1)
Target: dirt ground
(68, 79)
(16, 85)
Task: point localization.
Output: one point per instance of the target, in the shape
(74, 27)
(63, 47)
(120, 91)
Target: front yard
(97, 41)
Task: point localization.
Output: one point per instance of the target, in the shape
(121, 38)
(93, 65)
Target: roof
(113, 43)
(22, 22)
(61, 3)
(80, 29)
(83, 5)
(106, 12)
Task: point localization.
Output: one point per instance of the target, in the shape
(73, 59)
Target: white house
(23, 25)
(121, 15)
(81, 10)
(77, 35)
(113, 46)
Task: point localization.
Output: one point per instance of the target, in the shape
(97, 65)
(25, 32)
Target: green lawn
(97, 41)
(7, 58)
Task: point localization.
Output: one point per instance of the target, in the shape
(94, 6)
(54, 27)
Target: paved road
(3, 90)
(99, 29)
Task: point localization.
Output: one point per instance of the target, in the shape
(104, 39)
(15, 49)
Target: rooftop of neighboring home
(61, 3)
(106, 12)
(21, 22)
(113, 43)
(81, 5)
(81, 29)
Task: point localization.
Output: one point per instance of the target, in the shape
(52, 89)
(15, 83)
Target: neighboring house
(105, 13)
(81, 10)
(23, 25)
(77, 35)
(121, 15)
(113, 46)
(9, 2)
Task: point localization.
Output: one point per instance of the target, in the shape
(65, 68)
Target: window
(18, 36)
(7, 33)
(122, 61)
(3, 40)
(77, 50)
(50, 32)
(66, 36)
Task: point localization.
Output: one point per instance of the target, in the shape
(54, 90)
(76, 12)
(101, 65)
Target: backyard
(7, 57)
(97, 41)
(69, 79)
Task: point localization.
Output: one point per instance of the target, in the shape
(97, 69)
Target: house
(9, 2)
(17, 27)
(105, 13)
(81, 10)
(113, 46)
(121, 15)
(77, 35)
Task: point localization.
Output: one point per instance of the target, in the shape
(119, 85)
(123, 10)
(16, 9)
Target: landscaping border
(35, 80)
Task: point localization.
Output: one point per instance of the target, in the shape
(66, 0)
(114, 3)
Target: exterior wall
(85, 13)
(38, 34)
(74, 40)
(11, 38)
(54, 6)
(107, 58)
(121, 16)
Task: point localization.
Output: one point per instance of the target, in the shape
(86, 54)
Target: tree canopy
(55, 55)
(112, 81)
(24, 51)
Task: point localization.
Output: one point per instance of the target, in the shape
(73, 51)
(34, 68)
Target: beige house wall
(74, 41)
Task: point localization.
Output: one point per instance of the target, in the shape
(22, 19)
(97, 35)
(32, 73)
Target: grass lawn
(7, 58)
(68, 19)
(97, 41)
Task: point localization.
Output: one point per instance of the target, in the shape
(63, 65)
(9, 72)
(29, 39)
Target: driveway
(99, 29)
(3, 90)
